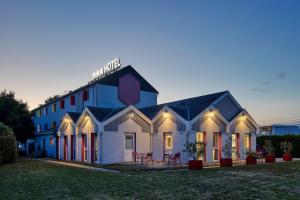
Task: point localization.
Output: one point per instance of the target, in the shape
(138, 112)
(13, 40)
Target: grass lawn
(29, 179)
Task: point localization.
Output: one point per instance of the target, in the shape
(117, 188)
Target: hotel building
(113, 116)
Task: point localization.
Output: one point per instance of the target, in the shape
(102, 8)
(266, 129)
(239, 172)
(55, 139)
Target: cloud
(281, 75)
(269, 82)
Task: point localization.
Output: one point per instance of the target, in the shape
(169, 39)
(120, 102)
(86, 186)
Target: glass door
(200, 138)
(215, 146)
(129, 146)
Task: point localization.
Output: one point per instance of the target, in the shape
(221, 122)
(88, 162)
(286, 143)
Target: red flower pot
(251, 160)
(270, 159)
(287, 157)
(226, 162)
(195, 164)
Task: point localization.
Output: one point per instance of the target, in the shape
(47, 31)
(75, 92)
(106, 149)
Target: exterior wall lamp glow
(131, 115)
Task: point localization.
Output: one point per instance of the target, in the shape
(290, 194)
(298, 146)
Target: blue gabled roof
(103, 114)
(74, 116)
(186, 108)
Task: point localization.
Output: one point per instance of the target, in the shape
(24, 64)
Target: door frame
(134, 143)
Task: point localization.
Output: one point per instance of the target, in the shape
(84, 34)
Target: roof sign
(108, 68)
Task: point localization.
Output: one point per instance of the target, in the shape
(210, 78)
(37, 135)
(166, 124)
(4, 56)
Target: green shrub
(8, 144)
(276, 141)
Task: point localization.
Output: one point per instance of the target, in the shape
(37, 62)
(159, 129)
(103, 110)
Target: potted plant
(287, 148)
(227, 150)
(270, 157)
(195, 150)
(251, 158)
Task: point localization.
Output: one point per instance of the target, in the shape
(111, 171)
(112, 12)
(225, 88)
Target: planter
(226, 162)
(195, 164)
(270, 159)
(287, 157)
(251, 160)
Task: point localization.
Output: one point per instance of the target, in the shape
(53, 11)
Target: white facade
(113, 146)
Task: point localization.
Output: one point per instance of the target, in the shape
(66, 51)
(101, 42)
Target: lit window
(51, 141)
(200, 138)
(54, 107)
(169, 142)
(246, 142)
(215, 147)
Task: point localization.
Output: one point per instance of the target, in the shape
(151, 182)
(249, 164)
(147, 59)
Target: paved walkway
(81, 166)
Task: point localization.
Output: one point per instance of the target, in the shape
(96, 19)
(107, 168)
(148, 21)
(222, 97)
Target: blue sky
(183, 48)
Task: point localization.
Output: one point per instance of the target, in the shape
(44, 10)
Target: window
(128, 141)
(247, 142)
(168, 142)
(54, 107)
(234, 146)
(72, 100)
(38, 128)
(46, 127)
(54, 124)
(45, 111)
(215, 147)
(51, 141)
(62, 103)
(200, 138)
(85, 95)
(39, 112)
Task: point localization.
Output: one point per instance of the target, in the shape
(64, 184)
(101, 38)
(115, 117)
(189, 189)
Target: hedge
(276, 140)
(8, 151)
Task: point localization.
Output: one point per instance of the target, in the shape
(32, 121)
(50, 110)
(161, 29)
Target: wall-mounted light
(211, 113)
(243, 117)
(131, 115)
(165, 113)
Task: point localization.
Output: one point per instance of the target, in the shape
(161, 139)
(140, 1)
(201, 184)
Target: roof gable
(186, 108)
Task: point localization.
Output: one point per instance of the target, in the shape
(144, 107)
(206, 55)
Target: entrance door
(129, 146)
(84, 147)
(200, 138)
(65, 147)
(168, 144)
(234, 147)
(72, 147)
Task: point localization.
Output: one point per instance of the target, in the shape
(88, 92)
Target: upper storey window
(46, 110)
(54, 107)
(39, 112)
(62, 103)
(72, 100)
(85, 95)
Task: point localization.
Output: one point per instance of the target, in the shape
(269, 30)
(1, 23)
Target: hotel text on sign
(107, 68)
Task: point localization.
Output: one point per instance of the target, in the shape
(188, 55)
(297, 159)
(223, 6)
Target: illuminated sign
(108, 68)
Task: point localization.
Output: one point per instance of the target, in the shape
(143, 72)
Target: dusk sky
(183, 48)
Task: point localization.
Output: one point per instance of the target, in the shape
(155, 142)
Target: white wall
(85, 128)
(179, 140)
(209, 126)
(113, 143)
(243, 129)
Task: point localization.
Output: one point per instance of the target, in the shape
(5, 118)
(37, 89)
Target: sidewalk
(80, 166)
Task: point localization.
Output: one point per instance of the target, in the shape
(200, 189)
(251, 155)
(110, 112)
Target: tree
(15, 114)
(5, 130)
(52, 98)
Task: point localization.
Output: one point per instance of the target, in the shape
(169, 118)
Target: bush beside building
(276, 140)
(8, 149)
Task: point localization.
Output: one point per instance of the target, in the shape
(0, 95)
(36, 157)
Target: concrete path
(80, 166)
